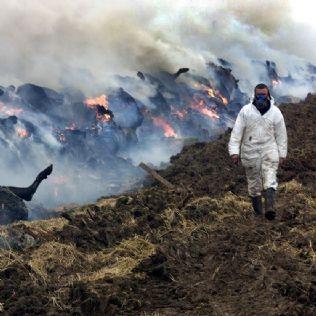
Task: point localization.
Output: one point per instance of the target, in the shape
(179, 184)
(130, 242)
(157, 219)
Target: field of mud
(194, 250)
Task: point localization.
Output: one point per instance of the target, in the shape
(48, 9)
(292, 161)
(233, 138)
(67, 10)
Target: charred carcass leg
(28, 192)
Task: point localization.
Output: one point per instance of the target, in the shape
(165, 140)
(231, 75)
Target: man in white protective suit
(259, 140)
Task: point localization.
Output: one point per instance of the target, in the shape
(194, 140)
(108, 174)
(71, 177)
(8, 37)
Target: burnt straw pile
(196, 249)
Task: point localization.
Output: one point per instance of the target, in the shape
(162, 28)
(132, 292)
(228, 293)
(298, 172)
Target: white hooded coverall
(260, 140)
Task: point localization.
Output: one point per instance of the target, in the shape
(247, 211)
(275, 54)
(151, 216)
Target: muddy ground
(197, 250)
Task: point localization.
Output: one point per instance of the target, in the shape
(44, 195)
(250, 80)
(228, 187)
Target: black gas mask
(262, 102)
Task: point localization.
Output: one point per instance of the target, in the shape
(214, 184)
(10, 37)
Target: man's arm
(236, 137)
(281, 136)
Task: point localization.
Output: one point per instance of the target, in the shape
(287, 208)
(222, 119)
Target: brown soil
(198, 250)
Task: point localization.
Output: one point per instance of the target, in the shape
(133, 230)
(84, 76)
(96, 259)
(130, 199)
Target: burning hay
(86, 137)
(96, 141)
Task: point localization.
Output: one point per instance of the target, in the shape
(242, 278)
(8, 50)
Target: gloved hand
(235, 159)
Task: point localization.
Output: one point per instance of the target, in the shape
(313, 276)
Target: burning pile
(86, 137)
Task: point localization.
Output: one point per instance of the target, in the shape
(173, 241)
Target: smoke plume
(84, 43)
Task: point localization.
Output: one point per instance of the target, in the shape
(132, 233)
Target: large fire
(168, 130)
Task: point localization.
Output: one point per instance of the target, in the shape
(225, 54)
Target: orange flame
(101, 100)
(225, 101)
(168, 130)
(222, 98)
(22, 132)
(212, 93)
(201, 107)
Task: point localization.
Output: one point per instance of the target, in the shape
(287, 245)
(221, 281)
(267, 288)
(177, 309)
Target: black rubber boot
(269, 204)
(257, 205)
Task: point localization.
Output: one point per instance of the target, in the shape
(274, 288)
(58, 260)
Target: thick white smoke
(82, 43)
